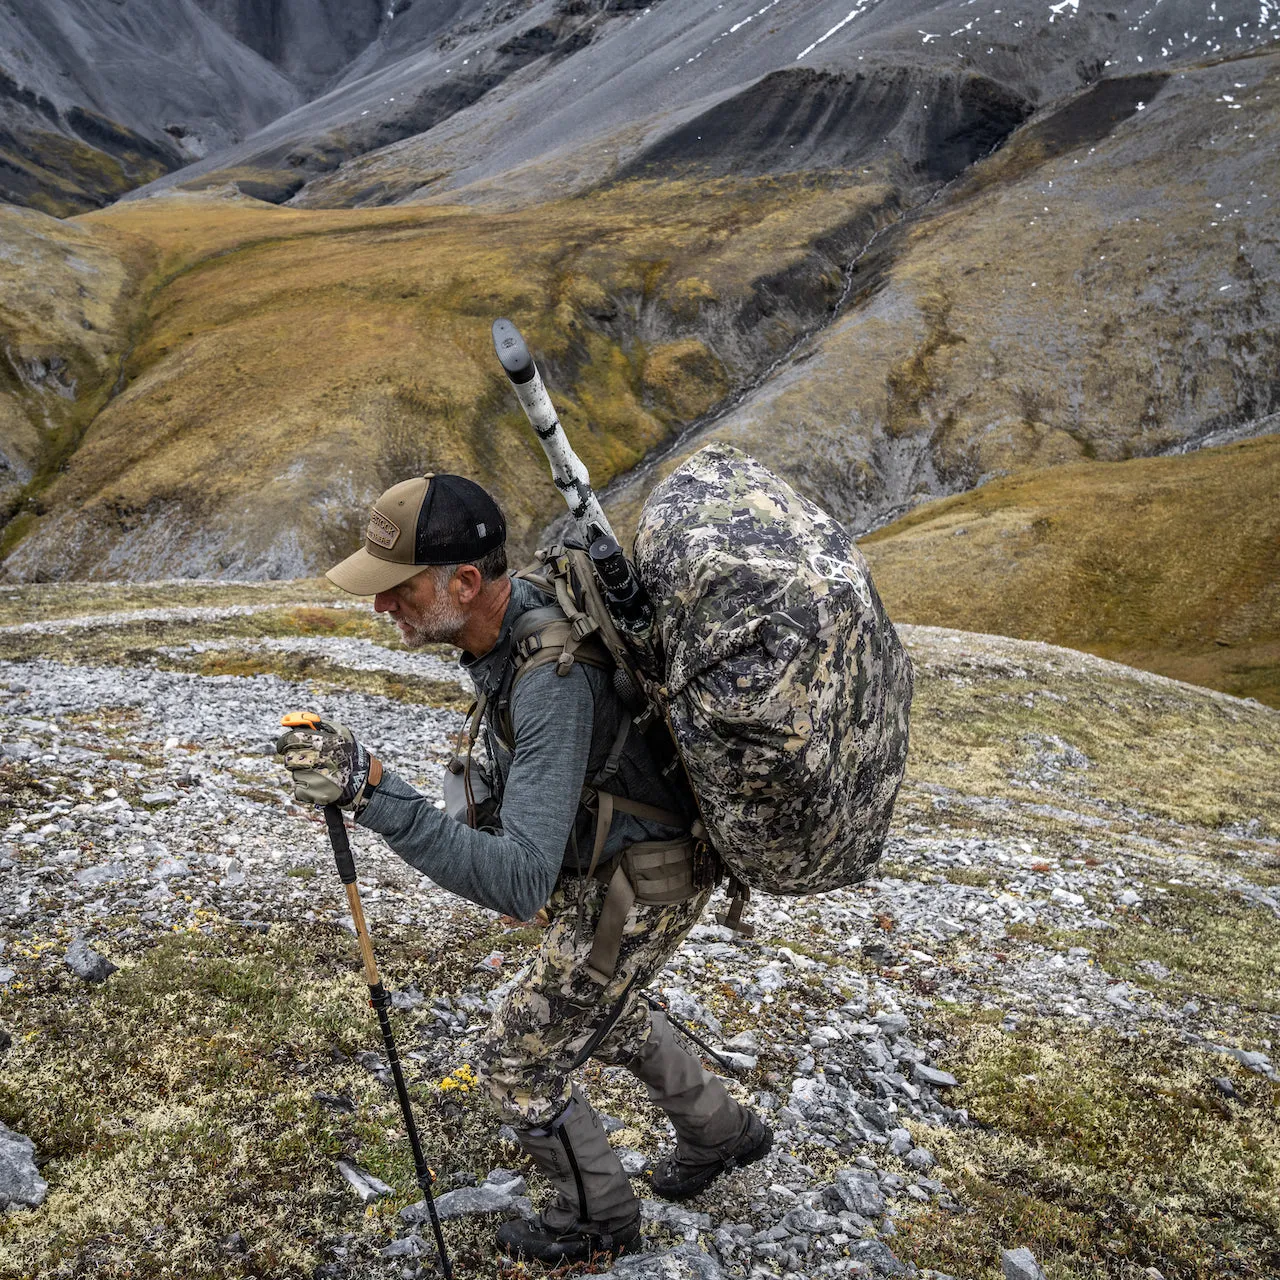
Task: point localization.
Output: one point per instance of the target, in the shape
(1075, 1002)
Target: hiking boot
(677, 1179)
(713, 1132)
(537, 1242)
(594, 1211)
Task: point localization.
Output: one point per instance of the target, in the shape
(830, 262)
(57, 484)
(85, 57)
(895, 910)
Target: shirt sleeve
(513, 872)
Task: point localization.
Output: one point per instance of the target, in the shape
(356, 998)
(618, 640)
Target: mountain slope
(97, 98)
(526, 99)
(1106, 285)
(1170, 564)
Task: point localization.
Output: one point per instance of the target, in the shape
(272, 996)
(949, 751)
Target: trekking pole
(380, 1000)
(654, 1003)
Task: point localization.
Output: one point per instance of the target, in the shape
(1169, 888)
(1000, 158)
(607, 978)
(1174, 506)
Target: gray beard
(441, 624)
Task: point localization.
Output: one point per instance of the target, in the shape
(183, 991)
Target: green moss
(1214, 944)
(1104, 1156)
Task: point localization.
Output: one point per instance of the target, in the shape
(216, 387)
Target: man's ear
(467, 583)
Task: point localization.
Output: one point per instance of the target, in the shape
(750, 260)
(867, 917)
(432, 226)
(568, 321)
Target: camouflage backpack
(785, 685)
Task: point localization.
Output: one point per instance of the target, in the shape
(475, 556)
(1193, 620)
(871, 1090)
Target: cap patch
(381, 530)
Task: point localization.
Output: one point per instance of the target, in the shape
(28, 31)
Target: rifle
(624, 594)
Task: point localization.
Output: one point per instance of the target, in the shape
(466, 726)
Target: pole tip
(512, 352)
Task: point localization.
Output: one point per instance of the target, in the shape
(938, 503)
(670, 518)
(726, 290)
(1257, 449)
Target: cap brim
(364, 575)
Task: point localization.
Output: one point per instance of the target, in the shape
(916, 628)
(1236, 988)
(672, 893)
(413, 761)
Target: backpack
(784, 684)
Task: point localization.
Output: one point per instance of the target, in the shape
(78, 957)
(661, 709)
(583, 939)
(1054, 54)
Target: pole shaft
(380, 1000)
(362, 936)
(654, 1003)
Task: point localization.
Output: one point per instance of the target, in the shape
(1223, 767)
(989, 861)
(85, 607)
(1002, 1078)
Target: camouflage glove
(328, 765)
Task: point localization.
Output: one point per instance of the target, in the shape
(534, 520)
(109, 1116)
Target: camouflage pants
(559, 1014)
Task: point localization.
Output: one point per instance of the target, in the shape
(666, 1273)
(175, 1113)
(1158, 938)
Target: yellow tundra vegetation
(1172, 564)
(303, 359)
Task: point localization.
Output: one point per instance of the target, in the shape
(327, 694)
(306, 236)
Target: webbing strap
(618, 902)
(604, 820)
(461, 762)
(610, 766)
(650, 812)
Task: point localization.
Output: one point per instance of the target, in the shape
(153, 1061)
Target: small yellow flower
(462, 1079)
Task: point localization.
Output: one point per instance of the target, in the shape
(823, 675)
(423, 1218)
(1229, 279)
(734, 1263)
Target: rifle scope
(624, 592)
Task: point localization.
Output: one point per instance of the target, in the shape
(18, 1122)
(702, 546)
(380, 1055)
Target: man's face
(423, 610)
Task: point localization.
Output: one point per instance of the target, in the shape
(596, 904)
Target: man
(434, 560)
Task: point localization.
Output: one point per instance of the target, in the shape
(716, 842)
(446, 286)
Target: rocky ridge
(147, 820)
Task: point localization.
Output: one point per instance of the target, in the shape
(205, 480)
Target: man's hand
(328, 765)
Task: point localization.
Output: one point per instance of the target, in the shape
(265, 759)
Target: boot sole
(557, 1250)
(695, 1186)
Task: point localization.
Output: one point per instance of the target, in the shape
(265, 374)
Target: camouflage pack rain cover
(788, 687)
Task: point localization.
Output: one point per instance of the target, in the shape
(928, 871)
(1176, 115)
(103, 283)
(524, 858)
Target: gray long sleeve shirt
(564, 728)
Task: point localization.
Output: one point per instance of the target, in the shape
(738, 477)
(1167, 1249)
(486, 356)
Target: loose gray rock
(738, 1061)
(104, 873)
(1251, 1059)
(899, 1142)
(236, 1243)
(409, 1246)
(920, 1159)
(506, 1180)
(932, 1076)
(1020, 1264)
(685, 1221)
(858, 1190)
(368, 1187)
(464, 1202)
(20, 1180)
(878, 1257)
(685, 1262)
(893, 1024)
(86, 963)
(810, 1221)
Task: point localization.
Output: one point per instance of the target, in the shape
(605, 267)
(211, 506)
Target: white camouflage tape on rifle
(567, 469)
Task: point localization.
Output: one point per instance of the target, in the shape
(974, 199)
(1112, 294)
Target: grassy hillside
(296, 362)
(68, 310)
(1171, 564)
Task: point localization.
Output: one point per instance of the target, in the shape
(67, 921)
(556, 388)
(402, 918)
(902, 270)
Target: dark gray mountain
(561, 94)
(99, 96)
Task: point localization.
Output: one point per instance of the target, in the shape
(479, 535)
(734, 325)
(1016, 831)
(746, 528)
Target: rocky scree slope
(1046, 1024)
(98, 98)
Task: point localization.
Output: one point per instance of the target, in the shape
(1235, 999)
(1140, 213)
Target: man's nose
(384, 602)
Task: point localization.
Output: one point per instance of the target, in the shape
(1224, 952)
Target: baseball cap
(431, 519)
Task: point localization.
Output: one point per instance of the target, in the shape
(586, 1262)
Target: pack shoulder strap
(544, 636)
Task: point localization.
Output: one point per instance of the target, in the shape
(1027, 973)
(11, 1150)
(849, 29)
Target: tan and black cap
(427, 520)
